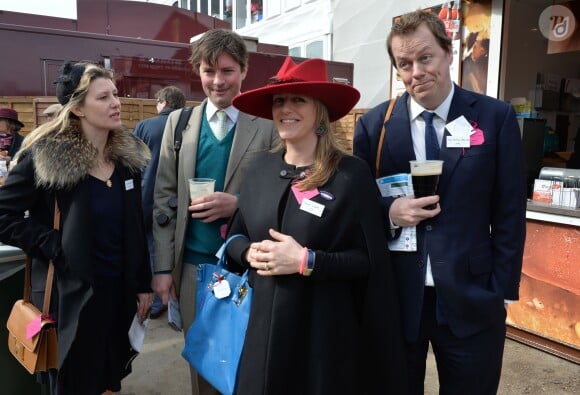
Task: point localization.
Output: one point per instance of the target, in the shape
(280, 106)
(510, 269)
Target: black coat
(58, 167)
(337, 331)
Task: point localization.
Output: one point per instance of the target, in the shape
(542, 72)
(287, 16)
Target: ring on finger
(266, 267)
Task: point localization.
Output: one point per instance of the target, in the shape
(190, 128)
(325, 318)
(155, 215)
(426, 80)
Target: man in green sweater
(188, 233)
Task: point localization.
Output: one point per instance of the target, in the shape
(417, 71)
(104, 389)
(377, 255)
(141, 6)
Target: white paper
(137, 333)
(398, 185)
(460, 130)
(312, 207)
(174, 315)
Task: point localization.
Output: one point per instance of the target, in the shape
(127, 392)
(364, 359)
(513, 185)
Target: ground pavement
(160, 369)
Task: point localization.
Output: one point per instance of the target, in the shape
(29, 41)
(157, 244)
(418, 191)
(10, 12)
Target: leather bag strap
(49, 275)
(382, 136)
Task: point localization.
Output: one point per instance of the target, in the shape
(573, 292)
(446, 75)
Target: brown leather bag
(40, 352)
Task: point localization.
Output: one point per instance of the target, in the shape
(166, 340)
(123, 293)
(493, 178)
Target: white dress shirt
(212, 119)
(418, 135)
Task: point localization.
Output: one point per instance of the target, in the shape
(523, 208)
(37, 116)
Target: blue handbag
(213, 344)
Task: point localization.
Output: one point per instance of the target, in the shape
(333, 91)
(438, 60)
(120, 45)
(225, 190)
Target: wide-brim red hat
(8, 113)
(308, 78)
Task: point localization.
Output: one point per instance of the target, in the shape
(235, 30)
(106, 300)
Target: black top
(107, 217)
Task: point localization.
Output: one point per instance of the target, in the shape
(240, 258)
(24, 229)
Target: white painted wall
(309, 21)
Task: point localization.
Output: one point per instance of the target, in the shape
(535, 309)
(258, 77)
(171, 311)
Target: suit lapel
(461, 104)
(399, 143)
(244, 133)
(188, 153)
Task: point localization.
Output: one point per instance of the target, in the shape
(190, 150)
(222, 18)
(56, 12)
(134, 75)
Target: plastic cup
(199, 187)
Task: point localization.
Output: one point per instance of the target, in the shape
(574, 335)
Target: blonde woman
(85, 161)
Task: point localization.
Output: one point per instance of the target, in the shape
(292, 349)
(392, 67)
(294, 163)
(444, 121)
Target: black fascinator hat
(68, 81)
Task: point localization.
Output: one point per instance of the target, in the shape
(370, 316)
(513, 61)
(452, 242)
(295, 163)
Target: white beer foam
(429, 168)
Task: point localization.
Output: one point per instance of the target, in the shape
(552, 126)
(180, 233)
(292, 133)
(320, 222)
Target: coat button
(428, 228)
(420, 263)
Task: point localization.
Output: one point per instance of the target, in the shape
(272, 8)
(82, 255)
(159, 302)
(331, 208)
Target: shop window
(228, 11)
(215, 8)
(295, 51)
(192, 6)
(315, 49)
(241, 13)
(256, 10)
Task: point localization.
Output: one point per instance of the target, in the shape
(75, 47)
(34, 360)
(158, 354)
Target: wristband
(310, 263)
(303, 261)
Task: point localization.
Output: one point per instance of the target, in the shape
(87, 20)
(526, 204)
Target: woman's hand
(282, 255)
(145, 300)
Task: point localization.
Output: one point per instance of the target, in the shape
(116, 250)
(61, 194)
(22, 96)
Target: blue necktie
(431, 142)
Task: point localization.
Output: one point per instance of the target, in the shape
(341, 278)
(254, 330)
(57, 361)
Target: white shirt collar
(415, 109)
(211, 109)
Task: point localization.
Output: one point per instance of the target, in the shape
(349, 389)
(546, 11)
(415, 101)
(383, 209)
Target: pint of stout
(425, 175)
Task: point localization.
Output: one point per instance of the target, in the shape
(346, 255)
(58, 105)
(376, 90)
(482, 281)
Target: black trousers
(470, 365)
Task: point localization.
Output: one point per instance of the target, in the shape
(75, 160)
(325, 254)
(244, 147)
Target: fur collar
(63, 159)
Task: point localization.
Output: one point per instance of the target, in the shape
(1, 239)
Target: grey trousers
(187, 293)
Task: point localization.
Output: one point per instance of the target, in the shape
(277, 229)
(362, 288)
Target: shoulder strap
(178, 134)
(49, 275)
(382, 136)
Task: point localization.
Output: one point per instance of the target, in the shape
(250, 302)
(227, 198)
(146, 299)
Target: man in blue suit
(454, 288)
(150, 131)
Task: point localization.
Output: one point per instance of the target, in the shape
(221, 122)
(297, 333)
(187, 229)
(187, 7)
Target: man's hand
(164, 286)
(407, 211)
(214, 206)
(144, 305)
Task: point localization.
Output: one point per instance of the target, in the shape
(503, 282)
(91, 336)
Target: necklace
(109, 183)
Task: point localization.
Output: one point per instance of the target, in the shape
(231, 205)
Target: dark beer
(425, 177)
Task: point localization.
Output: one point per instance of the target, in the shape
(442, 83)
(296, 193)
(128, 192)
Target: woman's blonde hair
(328, 153)
(66, 118)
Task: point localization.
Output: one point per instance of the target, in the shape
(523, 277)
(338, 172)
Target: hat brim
(339, 99)
(14, 120)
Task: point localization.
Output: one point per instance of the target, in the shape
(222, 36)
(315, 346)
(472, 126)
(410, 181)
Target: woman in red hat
(324, 316)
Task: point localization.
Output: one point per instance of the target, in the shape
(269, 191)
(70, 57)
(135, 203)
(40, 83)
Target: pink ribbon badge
(476, 138)
(301, 195)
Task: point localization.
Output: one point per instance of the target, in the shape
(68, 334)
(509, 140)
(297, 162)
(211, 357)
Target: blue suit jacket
(476, 243)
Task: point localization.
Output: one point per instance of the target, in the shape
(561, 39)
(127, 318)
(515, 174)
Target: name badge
(312, 207)
(129, 185)
(460, 129)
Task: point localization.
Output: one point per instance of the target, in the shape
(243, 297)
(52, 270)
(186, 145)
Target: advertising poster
(475, 54)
